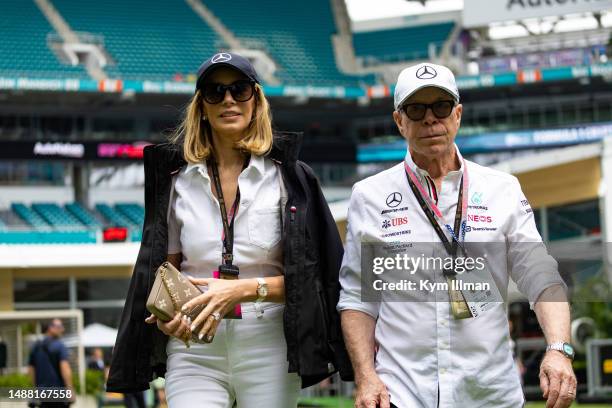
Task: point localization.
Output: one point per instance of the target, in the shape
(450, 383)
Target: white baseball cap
(422, 75)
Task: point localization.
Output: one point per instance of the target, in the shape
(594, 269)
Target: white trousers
(245, 365)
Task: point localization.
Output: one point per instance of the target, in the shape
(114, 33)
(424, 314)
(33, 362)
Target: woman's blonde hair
(195, 134)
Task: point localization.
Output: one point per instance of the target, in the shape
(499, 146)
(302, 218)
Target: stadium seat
(83, 215)
(285, 30)
(30, 216)
(134, 212)
(401, 44)
(114, 217)
(24, 47)
(57, 216)
(156, 42)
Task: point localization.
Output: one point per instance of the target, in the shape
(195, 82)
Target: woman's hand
(178, 327)
(220, 298)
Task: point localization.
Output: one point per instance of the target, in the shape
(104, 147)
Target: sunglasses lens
(242, 91)
(442, 109)
(415, 111)
(213, 93)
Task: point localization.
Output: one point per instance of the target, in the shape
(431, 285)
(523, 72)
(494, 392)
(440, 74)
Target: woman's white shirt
(195, 225)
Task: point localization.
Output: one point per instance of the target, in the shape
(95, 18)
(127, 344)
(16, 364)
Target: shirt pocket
(264, 226)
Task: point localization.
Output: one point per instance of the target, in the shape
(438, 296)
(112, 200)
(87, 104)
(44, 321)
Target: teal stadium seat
(297, 34)
(24, 48)
(30, 216)
(149, 40)
(83, 215)
(134, 212)
(57, 216)
(401, 44)
(114, 217)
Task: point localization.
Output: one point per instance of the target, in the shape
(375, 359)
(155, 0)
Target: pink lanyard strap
(459, 237)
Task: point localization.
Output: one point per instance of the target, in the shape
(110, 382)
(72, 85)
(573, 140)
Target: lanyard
(227, 236)
(434, 215)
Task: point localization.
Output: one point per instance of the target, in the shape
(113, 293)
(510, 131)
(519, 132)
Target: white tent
(95, 335)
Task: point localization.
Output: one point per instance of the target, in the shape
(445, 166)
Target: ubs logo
(395, 222)
(426, 72)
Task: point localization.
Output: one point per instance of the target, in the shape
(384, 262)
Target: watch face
(568, 349)
(262, 291)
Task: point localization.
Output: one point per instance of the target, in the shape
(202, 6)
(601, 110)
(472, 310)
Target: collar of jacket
(285, 150)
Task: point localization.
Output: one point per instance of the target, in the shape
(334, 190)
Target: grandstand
(402, 44)
(162, 41)
(24, 46)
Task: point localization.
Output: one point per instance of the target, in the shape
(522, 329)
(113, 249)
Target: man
(447, 352)
(48, 365)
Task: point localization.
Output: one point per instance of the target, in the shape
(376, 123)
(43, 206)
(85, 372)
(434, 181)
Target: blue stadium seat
(83, 215)
(152, 40)
(57, 216)
(401, 44)
(114, 217)
(29, 216)
(297, 34)
(24, 48)
(134, 212)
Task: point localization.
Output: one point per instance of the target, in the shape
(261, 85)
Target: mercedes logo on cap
(394, 199)
(426, 72)
(220, 57)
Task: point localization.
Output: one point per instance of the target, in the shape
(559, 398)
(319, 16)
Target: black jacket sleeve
(130, 370)
(330, 260)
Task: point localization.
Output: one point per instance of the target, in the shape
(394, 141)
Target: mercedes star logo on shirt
(426, 72)
(221, 57)
(394, 199)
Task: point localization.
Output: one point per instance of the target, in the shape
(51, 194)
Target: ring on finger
(216, 315)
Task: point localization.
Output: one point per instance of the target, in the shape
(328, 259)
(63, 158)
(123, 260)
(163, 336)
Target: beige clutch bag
(171, 290)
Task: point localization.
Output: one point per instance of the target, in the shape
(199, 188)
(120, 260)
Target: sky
(372, 9)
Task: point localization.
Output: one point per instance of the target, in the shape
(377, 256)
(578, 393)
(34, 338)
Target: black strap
(451, 248)
(228, 227)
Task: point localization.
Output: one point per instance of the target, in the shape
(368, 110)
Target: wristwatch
(565, 348)
(262, 290)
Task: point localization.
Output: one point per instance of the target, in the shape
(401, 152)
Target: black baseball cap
(228, 59)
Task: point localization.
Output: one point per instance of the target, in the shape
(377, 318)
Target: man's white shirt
(425, 357)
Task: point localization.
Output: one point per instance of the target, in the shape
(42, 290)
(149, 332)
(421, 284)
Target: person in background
(96, 361)
(48, 364)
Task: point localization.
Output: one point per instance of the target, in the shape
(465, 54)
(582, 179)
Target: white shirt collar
(422, 172)
(257, 163)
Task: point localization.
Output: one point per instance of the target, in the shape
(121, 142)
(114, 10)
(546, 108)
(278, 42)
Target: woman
(277, 232)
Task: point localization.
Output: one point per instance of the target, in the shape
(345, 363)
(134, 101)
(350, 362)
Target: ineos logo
(394, 199)
(426, 72)
(221, 57)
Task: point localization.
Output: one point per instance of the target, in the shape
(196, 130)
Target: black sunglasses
(417, 111)
(241, 91)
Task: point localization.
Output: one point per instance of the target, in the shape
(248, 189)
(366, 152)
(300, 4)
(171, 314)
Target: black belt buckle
(228, 271)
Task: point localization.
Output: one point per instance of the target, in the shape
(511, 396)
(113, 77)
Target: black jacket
(312, 256)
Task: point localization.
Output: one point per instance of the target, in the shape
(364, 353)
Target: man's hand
(557, 380)
(371, 393)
